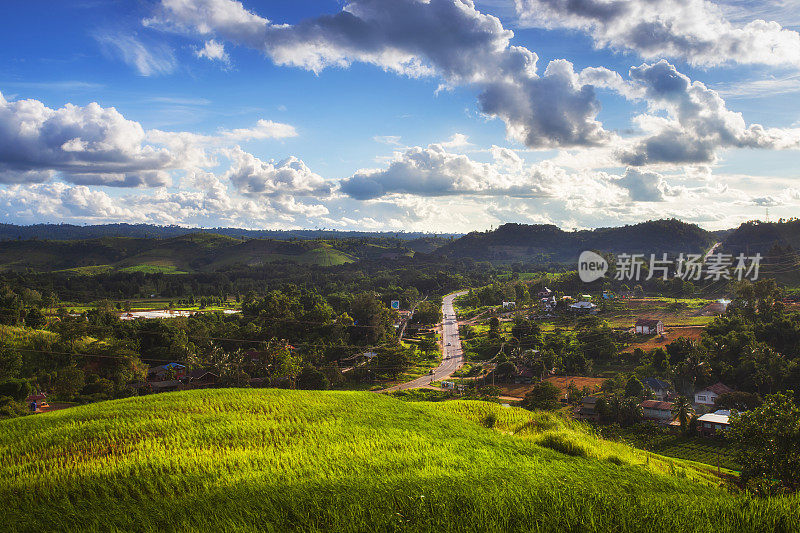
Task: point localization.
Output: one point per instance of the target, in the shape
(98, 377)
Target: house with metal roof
(711, 423)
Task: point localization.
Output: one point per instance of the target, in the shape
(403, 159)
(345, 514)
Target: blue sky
(402, 114)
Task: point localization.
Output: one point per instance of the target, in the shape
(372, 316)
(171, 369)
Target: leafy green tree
(631, 411)
(69, 381)
(574, 394)
(505, 370)
(738, 400)
(634, 388)
(682, 410)
(428, 313)
(768, 443)
(16, 389)
(609, 408)
(494, 327)
(312, 379)
(660, 361)
(392, 361)
(543, 396)
(10, 361)
(428, 345)
(34, 318)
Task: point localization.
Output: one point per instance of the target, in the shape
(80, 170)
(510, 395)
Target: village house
(37, 402)
(545, 293)
(649, 326)
(660, 388)
(584, 308)
(524, 375)
(588, 409)
(657, 411)
(168, 372)
(201, 379)
(708, 396)
(710, 423)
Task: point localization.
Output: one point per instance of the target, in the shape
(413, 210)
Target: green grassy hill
(270, 460)
(199, 252)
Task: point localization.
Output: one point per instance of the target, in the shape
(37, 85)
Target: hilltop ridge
(549, 243)
(279, 460)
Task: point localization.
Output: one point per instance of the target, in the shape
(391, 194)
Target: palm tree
(682, 409)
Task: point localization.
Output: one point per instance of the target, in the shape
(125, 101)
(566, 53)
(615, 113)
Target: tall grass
(268, 460)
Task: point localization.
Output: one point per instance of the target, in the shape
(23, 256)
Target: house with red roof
(708, 396)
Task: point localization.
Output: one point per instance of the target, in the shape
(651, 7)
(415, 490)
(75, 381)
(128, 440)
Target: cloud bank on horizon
(670, 145)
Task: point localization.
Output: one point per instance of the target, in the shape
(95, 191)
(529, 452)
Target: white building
(649, 326)
(709, 395)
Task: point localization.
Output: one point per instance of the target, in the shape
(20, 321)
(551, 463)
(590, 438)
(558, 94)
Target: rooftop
(718, 388)
(656, 404)
(718, 417)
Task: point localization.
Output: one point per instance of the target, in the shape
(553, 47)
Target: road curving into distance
(452, 355)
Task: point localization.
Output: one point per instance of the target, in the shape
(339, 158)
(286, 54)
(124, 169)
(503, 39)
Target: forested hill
(198, 252)
(548, 243)
(752, 237)
(63, 232)
(777, 242)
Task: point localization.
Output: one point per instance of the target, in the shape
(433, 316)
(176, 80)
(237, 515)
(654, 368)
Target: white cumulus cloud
(696, 31)
(450, 39)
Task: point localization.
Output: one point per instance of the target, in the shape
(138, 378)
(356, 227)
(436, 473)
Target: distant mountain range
(197, 252)
(547, 243)
(69, 232)
(172, 249)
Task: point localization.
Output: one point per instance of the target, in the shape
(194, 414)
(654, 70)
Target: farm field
(672, 311)
(276, 460)
(562, 382)
(702, 450)
(650, 342)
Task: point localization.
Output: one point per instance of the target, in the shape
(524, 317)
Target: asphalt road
(452, 356)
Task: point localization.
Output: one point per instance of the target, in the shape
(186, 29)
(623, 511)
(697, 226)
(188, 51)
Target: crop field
(709, 451)
(153, 269)
(672, 311)
(562, 382)
(272, 460)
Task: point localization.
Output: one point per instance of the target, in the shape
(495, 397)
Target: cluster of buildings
(548, 302)
(659, 409)
(175, 376)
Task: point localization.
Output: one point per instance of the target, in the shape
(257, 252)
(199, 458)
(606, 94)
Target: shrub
(312, 379)
(543, 396)
(16, 389)
(564, 444)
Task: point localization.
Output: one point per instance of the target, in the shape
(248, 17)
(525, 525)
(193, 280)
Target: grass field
(672, 311)
(17, 336)
(153, 269)
(270, 460)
